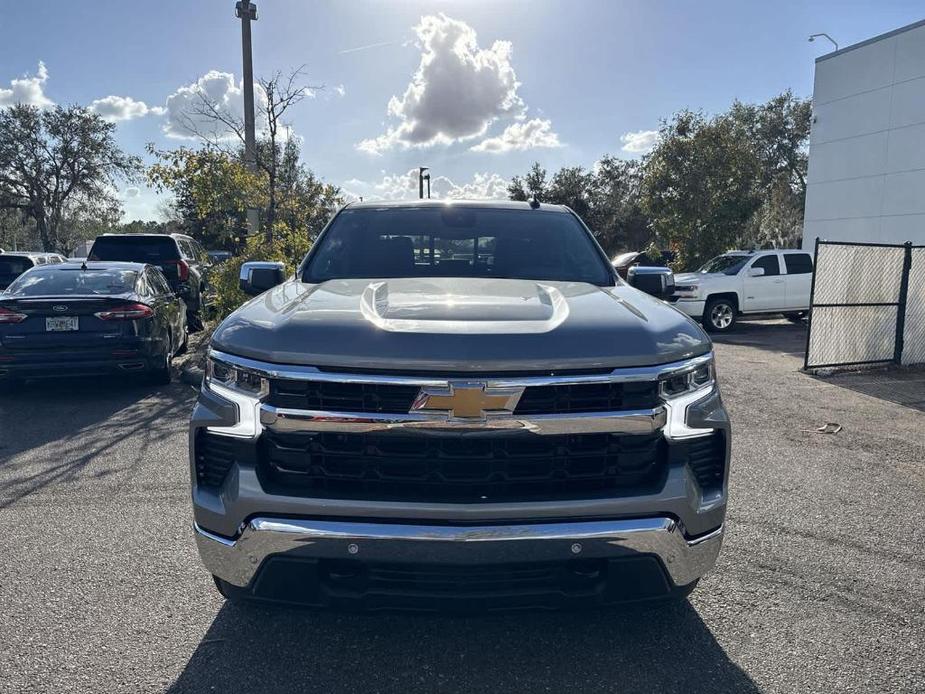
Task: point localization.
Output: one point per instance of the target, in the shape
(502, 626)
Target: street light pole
(421, 178)
(825, 36)
(246, 11)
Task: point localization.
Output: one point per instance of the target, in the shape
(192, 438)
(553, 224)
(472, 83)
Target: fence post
(812, 296)
(901, 304)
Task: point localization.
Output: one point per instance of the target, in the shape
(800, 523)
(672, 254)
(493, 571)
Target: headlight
(227, 375)
(677, 384)
(681, 389)
(243, 388)
(689, 291)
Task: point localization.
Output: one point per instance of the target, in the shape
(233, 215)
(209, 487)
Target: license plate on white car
(61, 324)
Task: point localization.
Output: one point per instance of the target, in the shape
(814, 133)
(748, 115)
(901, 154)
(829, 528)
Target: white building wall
(866, 178)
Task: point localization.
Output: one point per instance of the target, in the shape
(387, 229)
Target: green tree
(212, 190)
(699, 187)
(17, 231)
(276, 95)
(778, 133)
(58, 160)
(573, 186)
(605, 197)
(736, 179)
(303, 201)
(618, 219)
(534, 183)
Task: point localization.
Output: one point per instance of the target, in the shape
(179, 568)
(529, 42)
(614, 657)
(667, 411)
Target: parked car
(742, 283)
(219, 256)
(457, 405)
(87, 319)
(180, 258)
(622, 262)
(12, 265)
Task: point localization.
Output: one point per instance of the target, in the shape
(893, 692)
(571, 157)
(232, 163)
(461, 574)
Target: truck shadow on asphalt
(255, 649)
(79, 421)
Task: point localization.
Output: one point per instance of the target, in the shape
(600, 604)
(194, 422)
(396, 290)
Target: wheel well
(731, 296)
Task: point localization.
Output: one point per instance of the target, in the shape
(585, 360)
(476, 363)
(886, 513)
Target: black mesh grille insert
(462, 469)
(397, 399)
(588, 397)
(706, 458)
(214, 457)
(342, 397)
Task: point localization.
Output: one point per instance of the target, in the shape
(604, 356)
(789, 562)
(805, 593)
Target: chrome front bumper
(238, 560)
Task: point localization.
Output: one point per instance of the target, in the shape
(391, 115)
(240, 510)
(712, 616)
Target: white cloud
(117, 108)
(142, 203)
(456, 93)
(27, 90)
(482, 186)
(216, 87)
(522, 135)
(340, 90)
(640, 141)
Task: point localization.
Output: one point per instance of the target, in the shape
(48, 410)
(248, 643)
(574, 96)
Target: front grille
(342, 397)
(353, 584)
(397, 399)
(588, 397)
(214, 457)
(459, 468)
(706, 458)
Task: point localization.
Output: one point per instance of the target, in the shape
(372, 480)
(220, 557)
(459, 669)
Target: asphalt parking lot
(820, 586)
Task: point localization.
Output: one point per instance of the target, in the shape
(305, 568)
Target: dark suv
(12, 265)
(182, 260)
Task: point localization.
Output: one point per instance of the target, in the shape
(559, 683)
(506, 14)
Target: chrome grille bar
(625, 422)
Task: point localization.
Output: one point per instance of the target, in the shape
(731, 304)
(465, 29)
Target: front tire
(719, 315)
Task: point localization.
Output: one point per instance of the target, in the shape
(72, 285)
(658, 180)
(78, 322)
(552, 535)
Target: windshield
(135, 249)
(456, 242)
(727, 264)
(64, 281)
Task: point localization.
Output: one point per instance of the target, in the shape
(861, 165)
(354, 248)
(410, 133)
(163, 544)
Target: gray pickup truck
(457, 405)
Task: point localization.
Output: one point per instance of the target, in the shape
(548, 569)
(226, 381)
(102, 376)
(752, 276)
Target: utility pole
(246, 11)
(421, 178)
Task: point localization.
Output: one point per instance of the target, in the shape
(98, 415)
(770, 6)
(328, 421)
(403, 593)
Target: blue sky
(479, 89)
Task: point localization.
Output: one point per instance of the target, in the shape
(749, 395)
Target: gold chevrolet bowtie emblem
(467, 400)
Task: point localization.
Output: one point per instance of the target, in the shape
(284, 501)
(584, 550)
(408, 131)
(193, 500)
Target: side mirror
(756, 272)
(258, 276)
(657, 281)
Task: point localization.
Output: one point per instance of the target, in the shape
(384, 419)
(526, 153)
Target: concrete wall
(867, 148)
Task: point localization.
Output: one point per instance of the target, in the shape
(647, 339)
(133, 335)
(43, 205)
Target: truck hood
(459, 324)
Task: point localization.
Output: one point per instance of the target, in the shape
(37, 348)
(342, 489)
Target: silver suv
(457, 405)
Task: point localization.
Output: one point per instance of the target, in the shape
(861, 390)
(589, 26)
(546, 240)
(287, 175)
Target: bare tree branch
(280, 93)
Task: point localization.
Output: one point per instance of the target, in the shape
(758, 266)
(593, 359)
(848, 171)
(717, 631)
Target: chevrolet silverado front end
(455, 406)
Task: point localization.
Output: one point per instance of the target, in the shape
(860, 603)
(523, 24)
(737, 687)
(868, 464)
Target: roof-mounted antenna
(534, 201)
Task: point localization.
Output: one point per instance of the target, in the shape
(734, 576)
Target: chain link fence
(867, 305)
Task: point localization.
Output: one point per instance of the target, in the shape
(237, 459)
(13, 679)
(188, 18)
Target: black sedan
(90, 319)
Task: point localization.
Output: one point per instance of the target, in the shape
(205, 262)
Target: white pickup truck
(746, 283)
